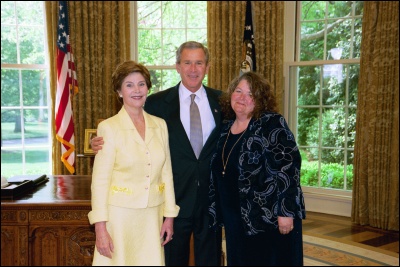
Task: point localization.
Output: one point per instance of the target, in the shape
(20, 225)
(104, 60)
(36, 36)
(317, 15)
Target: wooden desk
(49, 225)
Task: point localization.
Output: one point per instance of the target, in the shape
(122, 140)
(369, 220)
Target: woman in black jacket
(255, 188)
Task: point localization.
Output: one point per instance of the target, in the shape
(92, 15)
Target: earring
(120, 96)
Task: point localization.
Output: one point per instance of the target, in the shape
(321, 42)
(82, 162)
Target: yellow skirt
(136, 237)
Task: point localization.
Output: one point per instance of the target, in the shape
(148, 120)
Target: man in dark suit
(191, 172)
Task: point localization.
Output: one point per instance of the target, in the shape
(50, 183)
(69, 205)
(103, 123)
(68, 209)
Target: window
(25, 99)
(323, 81)
(161, 27)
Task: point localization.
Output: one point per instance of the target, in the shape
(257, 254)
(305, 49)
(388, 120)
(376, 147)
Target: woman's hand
(104, 243)
(167, 230)
(96, 143)
(285, 224)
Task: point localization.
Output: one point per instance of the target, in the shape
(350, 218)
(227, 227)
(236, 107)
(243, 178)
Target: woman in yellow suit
(133, 198)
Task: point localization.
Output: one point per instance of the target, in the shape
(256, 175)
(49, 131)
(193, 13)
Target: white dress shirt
(207, 118)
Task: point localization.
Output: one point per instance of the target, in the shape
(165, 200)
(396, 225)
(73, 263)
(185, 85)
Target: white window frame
(324, 200)
(20, 67)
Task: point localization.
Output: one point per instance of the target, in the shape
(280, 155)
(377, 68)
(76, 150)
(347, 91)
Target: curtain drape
(100, 40)
(376, 151)
(225, 28)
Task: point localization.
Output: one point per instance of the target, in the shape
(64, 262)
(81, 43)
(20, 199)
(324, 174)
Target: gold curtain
(100, 40)
(225, 29)
(376, 151)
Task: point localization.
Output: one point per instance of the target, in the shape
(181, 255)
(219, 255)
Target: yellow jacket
(131, 172)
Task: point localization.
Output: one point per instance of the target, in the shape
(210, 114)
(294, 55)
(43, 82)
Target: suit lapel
(127, 124)
(175, 126)
(151, 126)
(216, 111)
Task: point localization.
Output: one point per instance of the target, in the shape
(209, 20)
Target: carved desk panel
(49, 225)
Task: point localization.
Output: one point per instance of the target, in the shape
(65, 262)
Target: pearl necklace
(223, 150)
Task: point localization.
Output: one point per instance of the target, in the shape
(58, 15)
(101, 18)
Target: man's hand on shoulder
(97, 144)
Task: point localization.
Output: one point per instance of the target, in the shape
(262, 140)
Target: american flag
(67, 86)
(249, 49)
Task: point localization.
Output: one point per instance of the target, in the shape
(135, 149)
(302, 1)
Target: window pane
(358, 8)
(174, 13)
(357, 39)
(149, 14)
(353, 74)
(339, 40)
(333, 90)
(10, 88)
(155, 81)
(312, 48)
(170, 78)
(333, 127)
(309, 167)
(312, 10)
(30, 13)
(11, 128)
(34, 89)
(31, 41)
(309, 85)
(193, 18)
(37, 161)
(308, 127)
(150, 47)
(171, 41)
(351, 127)
(332, 169)
(163, 79)
(338, 9)
(36, 127)
(8, 44)
(349, 170)
(199, 35)
(11, 162)
(7, 13)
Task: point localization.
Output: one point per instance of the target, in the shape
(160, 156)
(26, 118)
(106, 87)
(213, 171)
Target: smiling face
(242, 100)
(192, 68)
(134, 90)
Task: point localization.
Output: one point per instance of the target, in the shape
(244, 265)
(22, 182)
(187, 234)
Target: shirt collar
(184, 93)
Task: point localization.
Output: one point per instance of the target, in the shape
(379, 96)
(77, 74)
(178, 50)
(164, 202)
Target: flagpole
(248, 62)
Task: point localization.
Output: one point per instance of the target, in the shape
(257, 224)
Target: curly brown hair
(261, 90)
(126, 68)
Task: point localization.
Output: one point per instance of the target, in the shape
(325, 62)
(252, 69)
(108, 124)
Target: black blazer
(191, 175)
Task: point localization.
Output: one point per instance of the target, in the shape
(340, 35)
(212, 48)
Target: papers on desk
(35, 178)
(4, 182)
(21, 183)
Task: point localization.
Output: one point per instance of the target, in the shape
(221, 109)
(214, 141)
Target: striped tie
(196, 133)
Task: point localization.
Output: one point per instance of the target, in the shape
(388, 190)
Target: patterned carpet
(328, 251)
(321, 250)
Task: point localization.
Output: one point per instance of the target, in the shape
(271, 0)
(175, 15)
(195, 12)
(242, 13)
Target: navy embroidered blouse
(268, 174)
